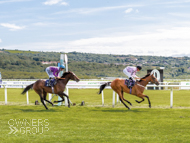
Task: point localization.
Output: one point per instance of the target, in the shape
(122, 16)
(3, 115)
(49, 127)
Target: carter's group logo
(28, 126)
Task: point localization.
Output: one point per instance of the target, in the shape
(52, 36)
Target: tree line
(28, 64)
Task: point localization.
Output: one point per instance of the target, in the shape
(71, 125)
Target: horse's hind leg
(125, 99)
(42, 100)
(40, 93)
(45, 94)
(121, 99)
(124, 103)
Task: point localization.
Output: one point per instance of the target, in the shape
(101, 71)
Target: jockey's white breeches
(49, 72)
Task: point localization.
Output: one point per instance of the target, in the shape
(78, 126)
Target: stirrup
(52, 88)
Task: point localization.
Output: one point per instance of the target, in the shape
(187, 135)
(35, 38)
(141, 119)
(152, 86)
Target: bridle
(75, 77)
(154, 81)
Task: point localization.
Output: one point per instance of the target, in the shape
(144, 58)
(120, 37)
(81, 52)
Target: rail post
(67, 93)
(171, 97)
(50, 96)
(102, 98)
(5, 95)
(27, 98)
(113, 104)
(117, 98)
(66, 69)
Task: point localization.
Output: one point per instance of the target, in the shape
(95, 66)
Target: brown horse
(42, 90)
(118, 85)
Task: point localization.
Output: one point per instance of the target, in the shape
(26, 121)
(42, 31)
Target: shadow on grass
(40, 110)
(120, 110)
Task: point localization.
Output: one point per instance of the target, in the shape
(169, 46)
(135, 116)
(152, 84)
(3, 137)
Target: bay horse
(118, 85)
(42, 90)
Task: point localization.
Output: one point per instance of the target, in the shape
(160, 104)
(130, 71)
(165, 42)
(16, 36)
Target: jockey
(54, 72)
(131, 73)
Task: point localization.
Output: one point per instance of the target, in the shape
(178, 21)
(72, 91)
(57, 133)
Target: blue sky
(148, 27)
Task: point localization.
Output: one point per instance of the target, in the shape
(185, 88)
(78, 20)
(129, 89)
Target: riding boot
(52, 82)
(49, 82)
(130, 82)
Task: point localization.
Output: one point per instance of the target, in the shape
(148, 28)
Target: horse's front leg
(140, 101)
(61, 94)
(45, 94)
(60, 100)
(148, 101)
(140, 95)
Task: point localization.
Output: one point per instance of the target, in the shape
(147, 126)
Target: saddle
(129, 84)
(50, 83)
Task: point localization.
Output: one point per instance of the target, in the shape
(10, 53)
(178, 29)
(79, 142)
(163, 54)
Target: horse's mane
(64, 74)
(144, 77)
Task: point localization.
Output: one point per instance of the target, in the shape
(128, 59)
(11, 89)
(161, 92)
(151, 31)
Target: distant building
(47, 63)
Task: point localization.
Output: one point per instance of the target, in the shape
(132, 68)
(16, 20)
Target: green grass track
(92, 123)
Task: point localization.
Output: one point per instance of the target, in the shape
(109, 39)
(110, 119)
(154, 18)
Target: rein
(140, 84)
(60, 78)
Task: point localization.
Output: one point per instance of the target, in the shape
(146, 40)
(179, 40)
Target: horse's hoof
(129, 108)
(52, 104)
(137, 101)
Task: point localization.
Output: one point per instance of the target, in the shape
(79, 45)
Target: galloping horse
(118, 85)
(42, 90)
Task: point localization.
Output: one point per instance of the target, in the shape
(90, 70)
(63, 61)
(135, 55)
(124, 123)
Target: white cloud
(12, 27)
(9, 1)
(44, 24)
(0, 40)
(129, 10)
(64, 3)
(183, 15)
(163, 42)
(53, 2)
(96, 10)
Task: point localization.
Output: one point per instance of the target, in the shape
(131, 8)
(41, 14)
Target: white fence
(84, 85)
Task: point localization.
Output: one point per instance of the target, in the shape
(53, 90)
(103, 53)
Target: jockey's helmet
(61, 66)
(139, 67)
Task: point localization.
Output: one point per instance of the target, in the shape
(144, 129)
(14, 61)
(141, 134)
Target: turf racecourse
(93, 123)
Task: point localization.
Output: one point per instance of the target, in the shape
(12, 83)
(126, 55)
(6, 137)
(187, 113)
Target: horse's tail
(27, 88)
(103, 86)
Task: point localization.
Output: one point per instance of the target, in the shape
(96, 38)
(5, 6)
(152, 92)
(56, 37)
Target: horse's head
(154, 79)
(74, 77)
(71, 76)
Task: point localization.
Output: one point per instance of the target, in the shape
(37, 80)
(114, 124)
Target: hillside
(29, 64)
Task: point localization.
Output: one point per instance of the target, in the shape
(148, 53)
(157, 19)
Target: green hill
(29, 64)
